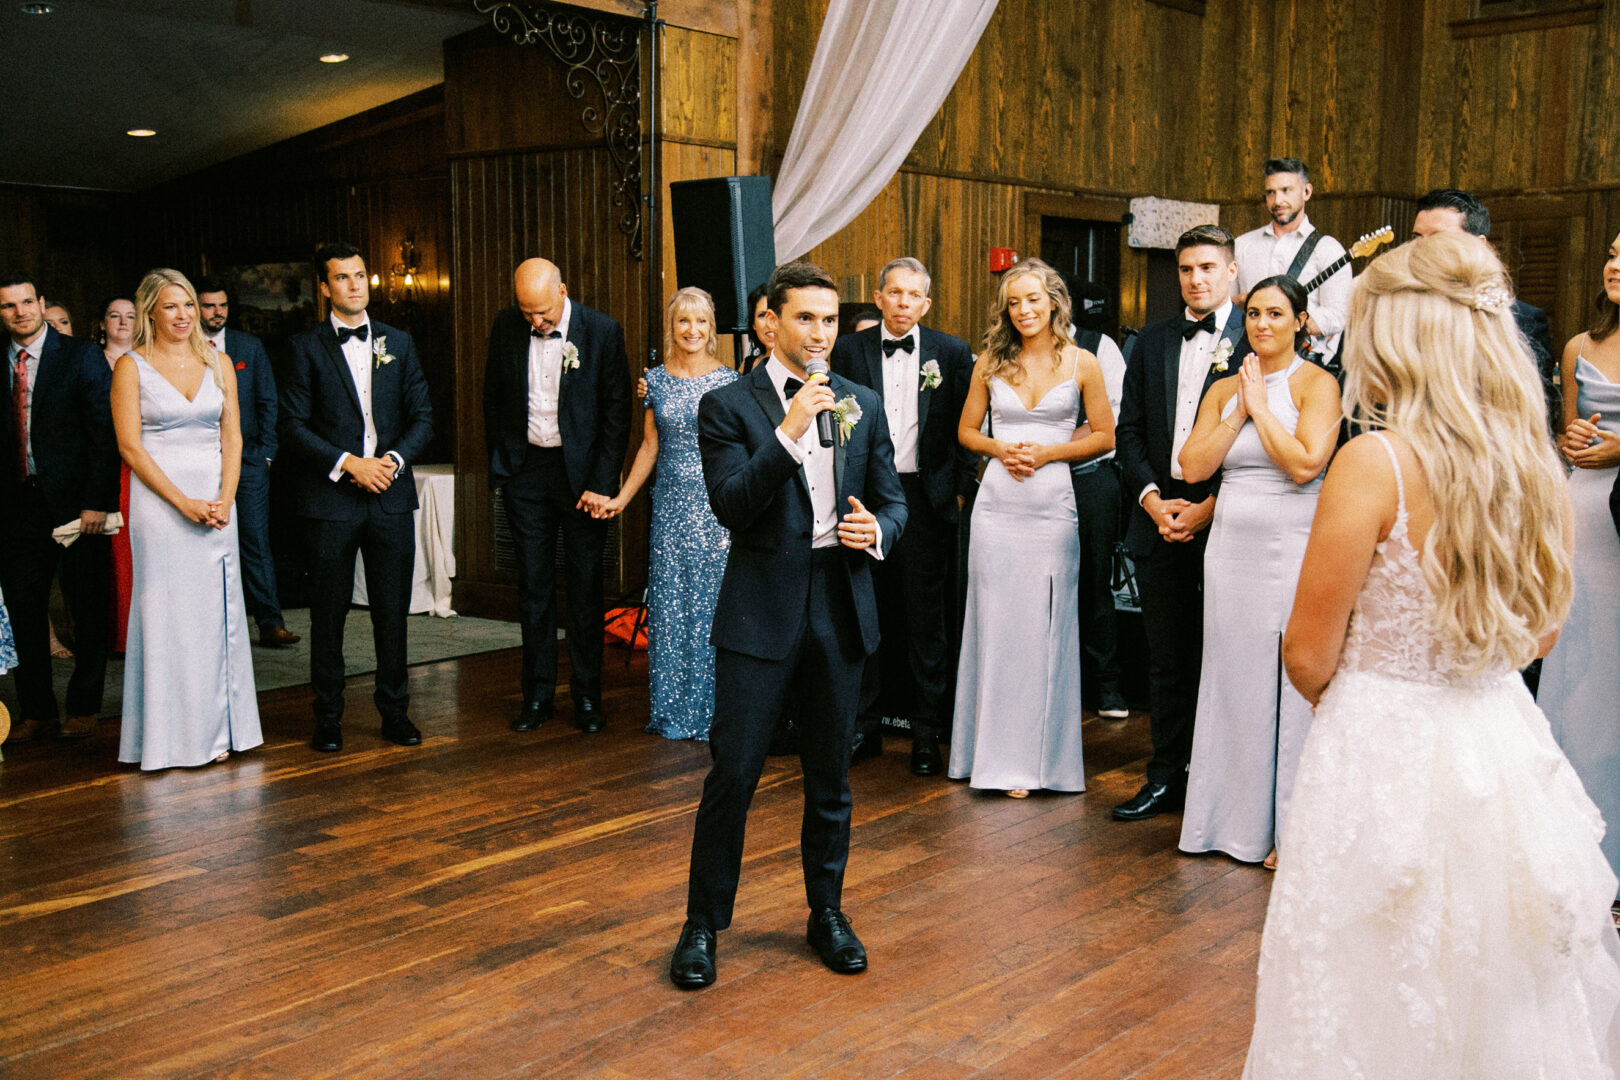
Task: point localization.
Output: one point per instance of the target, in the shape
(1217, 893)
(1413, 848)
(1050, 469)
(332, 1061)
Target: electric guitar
(1328, 354)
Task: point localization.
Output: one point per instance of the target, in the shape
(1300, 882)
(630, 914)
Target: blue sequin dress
(8, 644)
(685, 562)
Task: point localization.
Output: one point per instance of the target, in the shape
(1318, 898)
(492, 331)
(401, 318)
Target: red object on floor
(619, 624)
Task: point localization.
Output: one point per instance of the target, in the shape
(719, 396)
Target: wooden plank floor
(501, 905)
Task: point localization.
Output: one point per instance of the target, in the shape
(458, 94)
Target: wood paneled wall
(75, 243)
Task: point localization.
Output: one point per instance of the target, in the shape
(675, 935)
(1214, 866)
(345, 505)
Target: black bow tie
(791, 387)
(544, 334)
(1189, 327)
(893, 345)
(344, 333)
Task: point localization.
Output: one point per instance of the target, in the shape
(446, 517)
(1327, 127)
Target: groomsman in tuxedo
(557, 425)
(921, 376)
(354, 416)
(256, 403)
(1174, 362)
(60, 465)
(796, 618)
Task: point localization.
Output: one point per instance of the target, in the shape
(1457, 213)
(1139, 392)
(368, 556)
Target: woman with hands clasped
(1580, 679)
(1017, 723)
(687, 554)
(188, 673)
(1271, 427)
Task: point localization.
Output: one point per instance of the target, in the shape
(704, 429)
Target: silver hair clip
(1493, 298)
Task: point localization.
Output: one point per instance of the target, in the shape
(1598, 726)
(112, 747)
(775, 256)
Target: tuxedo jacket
(759, 493)
(321, 420)
(593, 402)
(1147, 420)
(75, 452)
(944, 465)
(255, 395)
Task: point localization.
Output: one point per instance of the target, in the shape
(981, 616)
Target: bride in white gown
(1442, 906)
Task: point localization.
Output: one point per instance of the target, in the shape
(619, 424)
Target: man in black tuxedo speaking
(58, 464)
(1174, 362)
(922, 378)
(795, 616)
(557, 424)
(354, 415)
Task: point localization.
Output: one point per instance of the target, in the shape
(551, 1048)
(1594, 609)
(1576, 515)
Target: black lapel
(1171, 372)
(576, 338)
(328, 337)
(841, 389)
(925, 393)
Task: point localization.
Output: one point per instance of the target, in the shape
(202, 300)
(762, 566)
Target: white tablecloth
(435, 543)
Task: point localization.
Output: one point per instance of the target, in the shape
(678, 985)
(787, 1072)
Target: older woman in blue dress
(1271, 426)
(687, 554)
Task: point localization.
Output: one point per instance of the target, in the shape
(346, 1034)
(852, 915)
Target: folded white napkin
(66, 534)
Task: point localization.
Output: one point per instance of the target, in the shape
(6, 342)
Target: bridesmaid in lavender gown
(188, 672)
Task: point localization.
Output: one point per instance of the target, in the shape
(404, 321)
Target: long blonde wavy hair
(690, 300)
(1003, 345)
(146, 299)
(1435, 357)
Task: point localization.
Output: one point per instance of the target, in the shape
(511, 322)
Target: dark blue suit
(256, 401)
(789, 620)
(320, 421)
(1171, 575)
(76, 469)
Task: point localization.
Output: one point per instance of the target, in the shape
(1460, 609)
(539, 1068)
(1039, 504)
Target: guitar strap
(1306, 250)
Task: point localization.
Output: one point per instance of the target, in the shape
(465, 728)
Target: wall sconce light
(402, 275)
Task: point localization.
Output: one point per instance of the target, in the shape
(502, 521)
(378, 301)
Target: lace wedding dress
(1442, 906)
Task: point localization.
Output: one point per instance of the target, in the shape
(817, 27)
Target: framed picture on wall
(272, 301)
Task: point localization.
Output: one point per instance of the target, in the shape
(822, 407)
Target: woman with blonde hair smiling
(188, 673)
(687, 554)
(1441, 908)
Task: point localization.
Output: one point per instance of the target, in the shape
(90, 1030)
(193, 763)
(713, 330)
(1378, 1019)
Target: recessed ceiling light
(140, 133)
(334, 58)
(36, 9)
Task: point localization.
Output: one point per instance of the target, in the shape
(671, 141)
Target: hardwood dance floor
(500, 905)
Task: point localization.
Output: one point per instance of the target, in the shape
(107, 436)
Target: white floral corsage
(379, 352)
(570, 359)
(848, 413)
(930, 375)
(1223, 353)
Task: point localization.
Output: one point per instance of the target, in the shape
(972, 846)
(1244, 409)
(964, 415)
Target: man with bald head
(557, 424)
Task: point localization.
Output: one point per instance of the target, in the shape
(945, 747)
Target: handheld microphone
(817, 371)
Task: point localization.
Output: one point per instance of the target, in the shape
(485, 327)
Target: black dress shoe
(532, 715)
(692, 965)
(865, 745)
(328, 736)
(588, 715)
(1152, 800)
(830, 935)
(925, 759)
(400, 730)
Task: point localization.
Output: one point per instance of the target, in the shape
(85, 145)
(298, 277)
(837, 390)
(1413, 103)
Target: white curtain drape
(882, 69)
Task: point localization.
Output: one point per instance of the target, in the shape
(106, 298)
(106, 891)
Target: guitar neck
(1333, 268)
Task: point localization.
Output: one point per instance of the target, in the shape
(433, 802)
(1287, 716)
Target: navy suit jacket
(1147, 420)
(321, 420)
(759, 493)
(255, 396)
(945, 466)
(75, 452)
(593, 402)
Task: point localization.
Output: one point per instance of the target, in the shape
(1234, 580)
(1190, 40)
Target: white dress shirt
(817, 462)
(31, 366)
(902, 387)
(1112, 362)
(1197, 354)
(358, 355)
(545, 381)
(1262, 253)
(218, 340)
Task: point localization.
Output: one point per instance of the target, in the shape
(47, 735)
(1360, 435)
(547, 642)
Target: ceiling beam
(709, 16)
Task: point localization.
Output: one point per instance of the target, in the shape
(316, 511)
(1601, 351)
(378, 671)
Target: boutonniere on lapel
(379, 352)
(1223, 353)
(930, 375)
(570, 359)
(847, 411)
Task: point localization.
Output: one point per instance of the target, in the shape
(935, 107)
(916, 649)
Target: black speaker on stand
(725, 243)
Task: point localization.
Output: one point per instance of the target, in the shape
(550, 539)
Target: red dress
(123, 567)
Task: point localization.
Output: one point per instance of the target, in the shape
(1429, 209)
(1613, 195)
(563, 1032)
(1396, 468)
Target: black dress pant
(253, 540)
(822, 675)
(908, 674)
(1171, 579)
(539, 500)
(388, 542)
(29, 561)
(1097, 506)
